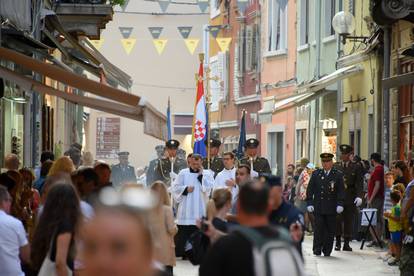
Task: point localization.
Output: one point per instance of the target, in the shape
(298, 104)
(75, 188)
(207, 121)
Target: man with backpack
(246, 250)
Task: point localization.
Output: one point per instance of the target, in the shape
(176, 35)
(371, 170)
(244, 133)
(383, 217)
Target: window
(352, 139)
(330, 9)
(371, 134)
(214, 85)
(304, 22)
(277, 25)
(352, 7)
(301, 143)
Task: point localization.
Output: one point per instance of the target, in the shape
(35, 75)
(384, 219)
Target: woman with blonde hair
(163, 228)
(62, 165)
(222, 204)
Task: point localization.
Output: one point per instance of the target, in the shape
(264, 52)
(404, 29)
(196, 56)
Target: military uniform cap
(159, 147)
(251, 143)
(345, 149)
(214, 143)
(123, 153)
(271, 180)
(326, 156)
(172, 144)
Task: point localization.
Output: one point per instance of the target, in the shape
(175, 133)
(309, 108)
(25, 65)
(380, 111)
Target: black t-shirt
(232, 255)
(64, 228)
(220, 224)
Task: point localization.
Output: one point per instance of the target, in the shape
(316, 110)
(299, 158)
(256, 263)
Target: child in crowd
(389, 178)
(395, 227)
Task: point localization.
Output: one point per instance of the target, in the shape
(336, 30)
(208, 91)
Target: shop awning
(116, 101)
(306, 93)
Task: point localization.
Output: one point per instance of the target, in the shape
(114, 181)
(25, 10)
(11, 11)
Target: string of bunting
(128, 42)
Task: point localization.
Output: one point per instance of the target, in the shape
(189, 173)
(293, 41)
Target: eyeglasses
(133, 197)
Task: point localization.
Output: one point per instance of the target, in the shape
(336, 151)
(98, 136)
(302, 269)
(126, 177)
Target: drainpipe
(386, 96)
(339, 96)
(317, 106)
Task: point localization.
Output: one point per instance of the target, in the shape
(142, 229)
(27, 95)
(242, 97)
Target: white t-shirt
(222, 177)
(12, 238)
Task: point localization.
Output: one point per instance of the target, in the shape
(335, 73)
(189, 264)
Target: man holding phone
(190, 190)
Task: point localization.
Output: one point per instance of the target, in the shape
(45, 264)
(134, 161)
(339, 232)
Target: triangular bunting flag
(125, 5)
(242, 5)
(160, 45)
(224, 43)
(191, 44)
(164, 5)
(185, 31)
(128, 44)
(126, 31)
(214, 30)
(203, 5)
(155, 31)
(97, 43)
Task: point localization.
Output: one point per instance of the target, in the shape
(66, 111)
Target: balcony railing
(94, 2)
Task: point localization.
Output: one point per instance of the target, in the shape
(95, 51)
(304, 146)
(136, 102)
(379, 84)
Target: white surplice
(192, 206)
(221, 179)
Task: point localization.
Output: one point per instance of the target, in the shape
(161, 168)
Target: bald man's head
(11, 162)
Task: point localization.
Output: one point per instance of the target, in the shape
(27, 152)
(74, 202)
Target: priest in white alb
(227, 177)
(190, 190)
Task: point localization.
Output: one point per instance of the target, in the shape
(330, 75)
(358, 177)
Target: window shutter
(236, 86)
(223, 75)
(249, 47)
(255, 47)
(214, 85)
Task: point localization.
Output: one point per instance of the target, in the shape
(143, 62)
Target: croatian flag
(200, 117)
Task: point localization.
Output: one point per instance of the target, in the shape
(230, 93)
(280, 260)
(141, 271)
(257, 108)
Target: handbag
(48, 267)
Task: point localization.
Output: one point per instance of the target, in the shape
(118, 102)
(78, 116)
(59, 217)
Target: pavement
(365, 262)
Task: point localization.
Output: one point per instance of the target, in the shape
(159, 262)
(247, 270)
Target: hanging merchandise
(185, 31)
(203, 5)
(164, 5)
(126, 31)
(155, 32)
(214, 30)
(160, 45)
(224, 43)
(191, 44)
(97, 43)
(128, 44)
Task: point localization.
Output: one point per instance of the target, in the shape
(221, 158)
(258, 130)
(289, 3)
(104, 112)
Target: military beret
(214, 143)
(76, 146)
(172, 144)
(326, 156)
(271, 180)
(251, 143)
(345, 149)
(304, 161)
(123, 153)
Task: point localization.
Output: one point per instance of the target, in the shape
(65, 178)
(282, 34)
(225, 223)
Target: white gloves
(339, 209)
(310, 209)
(358, 202)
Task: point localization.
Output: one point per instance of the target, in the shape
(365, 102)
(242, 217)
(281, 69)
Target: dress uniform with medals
(353, 183)
(260, 164)
(122, 173)
(216, 162)
(151, 172)
(325, 198)
(168, 167)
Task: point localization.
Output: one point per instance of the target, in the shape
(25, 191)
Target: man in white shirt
(190, 190)
(13, 241)
(227, 177)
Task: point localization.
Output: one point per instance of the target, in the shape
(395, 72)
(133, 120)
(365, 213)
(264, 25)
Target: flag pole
(208, 105)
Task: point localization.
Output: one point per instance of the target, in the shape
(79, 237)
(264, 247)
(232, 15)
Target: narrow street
(357, 263)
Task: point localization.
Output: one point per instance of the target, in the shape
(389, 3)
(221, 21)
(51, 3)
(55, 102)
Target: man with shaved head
(11, 162)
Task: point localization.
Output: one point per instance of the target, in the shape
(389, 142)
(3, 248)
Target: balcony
(83, 17)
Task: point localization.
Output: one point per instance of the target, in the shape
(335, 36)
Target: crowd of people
(223, 213)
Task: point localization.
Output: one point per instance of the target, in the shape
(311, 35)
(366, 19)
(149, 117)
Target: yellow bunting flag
(191, 44)
(97, 43)
(224, 43)
(160, 45)
(128, 44)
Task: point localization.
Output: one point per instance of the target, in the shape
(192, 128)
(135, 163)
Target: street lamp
(344, 25)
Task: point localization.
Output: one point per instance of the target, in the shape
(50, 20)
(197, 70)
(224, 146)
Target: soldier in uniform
(151, 172)
(257, 164)
(122, 172)
(216, 162)
(353, 183)
(325, 198)
(170, 165)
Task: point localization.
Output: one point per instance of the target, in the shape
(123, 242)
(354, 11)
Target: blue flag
(169, 120)
(242, 137)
